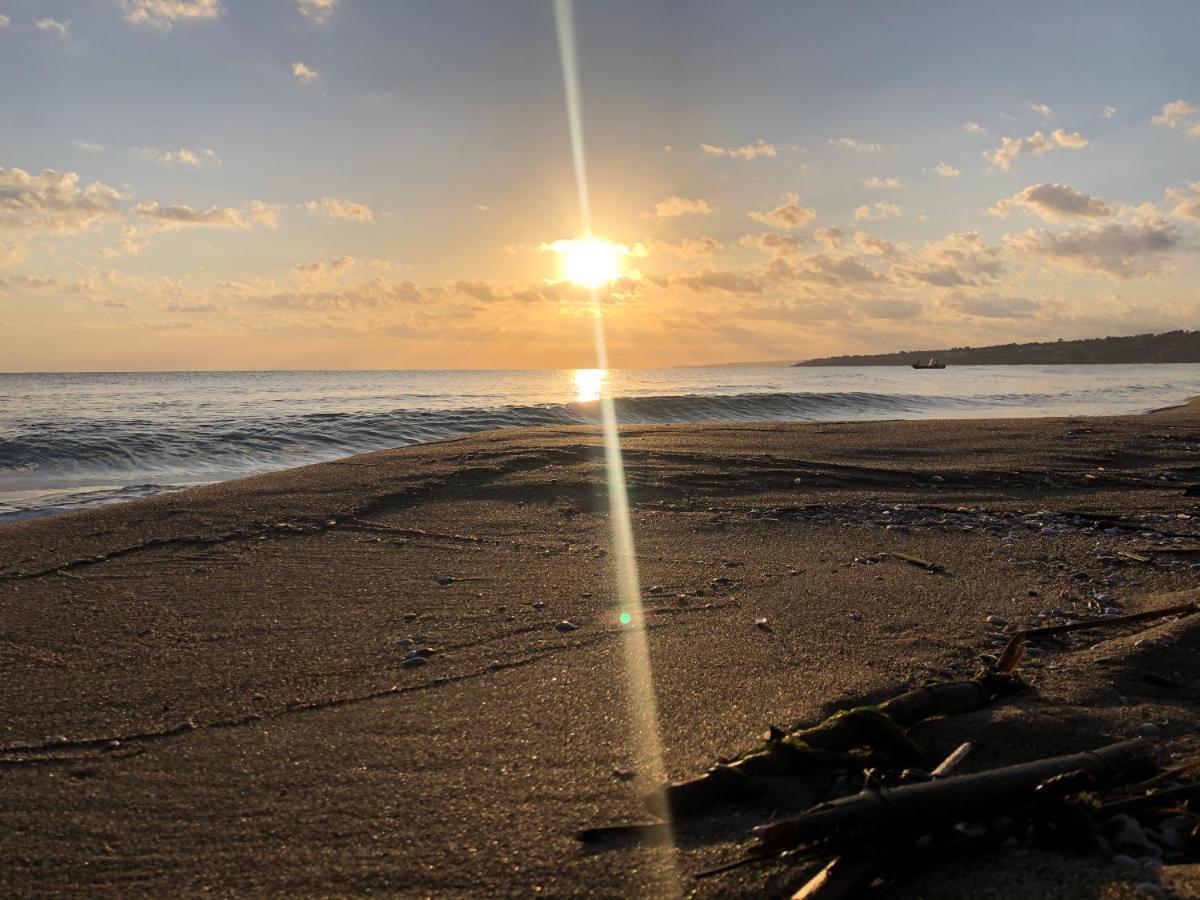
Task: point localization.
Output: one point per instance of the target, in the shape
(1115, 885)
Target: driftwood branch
(829, 743)
(1015, 649)
(948, 800)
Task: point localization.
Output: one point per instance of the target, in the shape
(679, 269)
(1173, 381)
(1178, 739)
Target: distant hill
(1172, 347)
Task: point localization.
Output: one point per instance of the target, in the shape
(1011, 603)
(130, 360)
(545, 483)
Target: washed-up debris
(909, 814)
(1016, 645)
(876, 733)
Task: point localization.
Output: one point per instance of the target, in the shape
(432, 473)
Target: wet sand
(203, 691)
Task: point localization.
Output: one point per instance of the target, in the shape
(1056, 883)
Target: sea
(69, 441)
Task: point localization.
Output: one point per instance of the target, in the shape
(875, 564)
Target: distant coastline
(1170, 347)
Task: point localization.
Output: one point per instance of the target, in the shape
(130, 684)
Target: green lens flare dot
(625, 618)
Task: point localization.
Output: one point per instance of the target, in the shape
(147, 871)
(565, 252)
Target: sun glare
(589, 383)
(589, 263)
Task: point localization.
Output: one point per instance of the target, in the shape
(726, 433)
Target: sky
(375, 184)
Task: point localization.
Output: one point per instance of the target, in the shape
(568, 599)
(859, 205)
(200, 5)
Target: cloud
(1179, 114)
(1108, 112)
(1054, 203)
(946, 171)
(830, 237)
(974, 128)
(181, 157)
(875, 246)
(1186, 200)
(89, 146)
(1035, 145)
(788, 215)
(991, 306)
(1042, 110)
(680, 206)
(303, 73)
(53, 202)
(775, 244)
(746, 152)
(183, 216)
(165, 13)
(843, 270)
(688, 247)
(334, 208)
(963, 259)
(854, 146)
(11, 254)
(884, 184)
(878, 210)
(317, 10)
(727, 282)
(1121, 251)
(53, 26)
(5, 21)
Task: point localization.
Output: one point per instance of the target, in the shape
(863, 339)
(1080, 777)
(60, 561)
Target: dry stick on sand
(945, 800)
(845, 876)
(803, 751)
(1016, 646)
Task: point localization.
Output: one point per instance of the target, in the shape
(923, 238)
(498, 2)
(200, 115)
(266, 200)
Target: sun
(589, 263)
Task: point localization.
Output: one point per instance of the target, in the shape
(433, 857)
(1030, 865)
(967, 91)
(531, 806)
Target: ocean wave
(199, 445)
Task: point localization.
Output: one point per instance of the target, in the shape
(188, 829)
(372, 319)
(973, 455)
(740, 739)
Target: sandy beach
(203, 692)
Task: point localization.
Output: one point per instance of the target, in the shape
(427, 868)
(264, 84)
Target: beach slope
(205, 691)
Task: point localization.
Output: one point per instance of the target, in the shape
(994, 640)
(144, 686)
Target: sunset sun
(588, 262)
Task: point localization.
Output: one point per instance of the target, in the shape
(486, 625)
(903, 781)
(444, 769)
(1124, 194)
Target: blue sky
(305, 183)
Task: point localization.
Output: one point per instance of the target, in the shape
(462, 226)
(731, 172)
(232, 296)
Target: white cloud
(303, 73)
(90, 146)
(317, 10)
(788, 215)
(1108, 112)
(1034, 145)
(334, 208)
(1054, 203)
(974, 128)
(851, 144)
(1042, 110)
(878, 210)
(1180, 114)
(53, 202)
(1119, 250)
(1186, 200)
(164, 13)
(945, 170)
(53, 26)
(680, 206)
(746, 152)
(181, 157)
(884, 184)
(5, 21)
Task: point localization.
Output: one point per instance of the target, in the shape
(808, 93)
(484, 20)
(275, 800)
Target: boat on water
(932, 364)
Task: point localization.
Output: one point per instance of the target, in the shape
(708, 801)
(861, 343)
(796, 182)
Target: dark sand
(238, 640)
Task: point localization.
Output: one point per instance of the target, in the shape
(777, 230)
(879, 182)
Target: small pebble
(409, 616)
(1123, 859)
(404, 643)
(624, 774)
(1149, 730)
(564, 626)
(763, 624)
(1148, 887)
(494, 665)
(414, 662)
(997, 621)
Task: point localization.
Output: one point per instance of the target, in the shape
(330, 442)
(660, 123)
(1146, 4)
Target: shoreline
(239, 643)
(78, 498)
